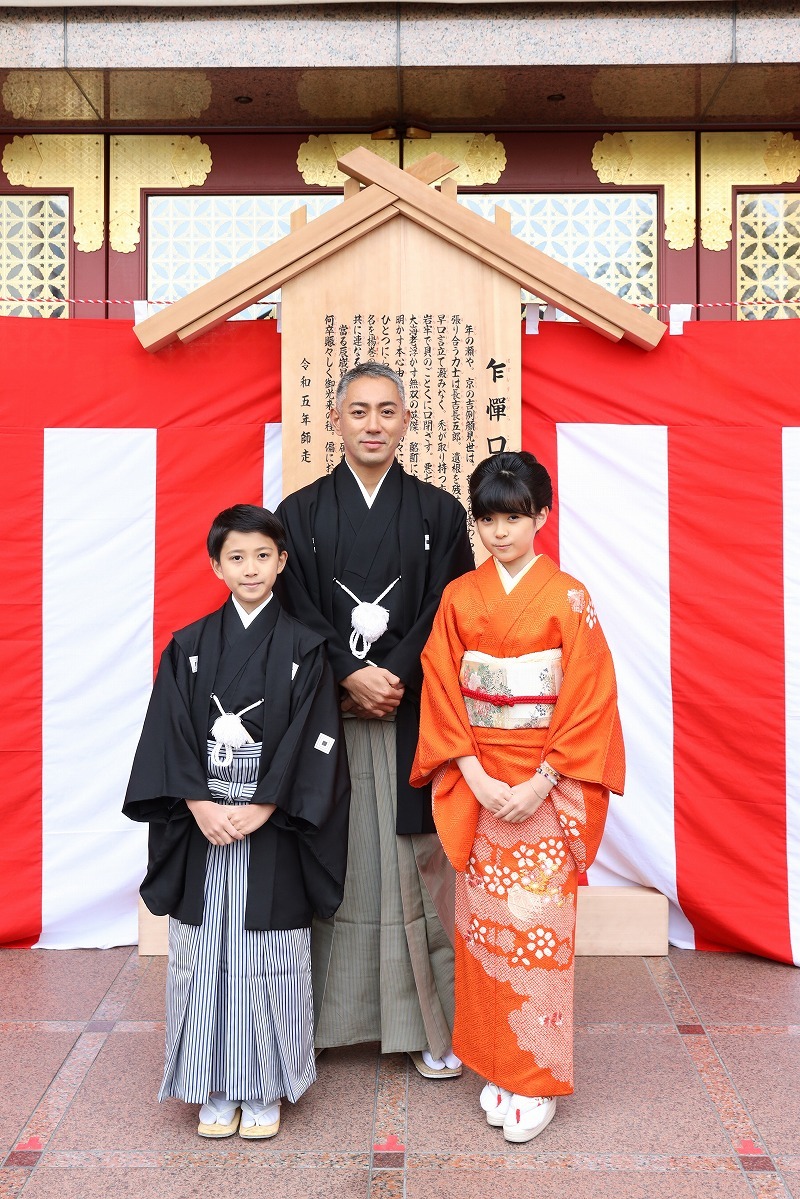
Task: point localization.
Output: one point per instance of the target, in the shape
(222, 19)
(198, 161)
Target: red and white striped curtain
(678, 484)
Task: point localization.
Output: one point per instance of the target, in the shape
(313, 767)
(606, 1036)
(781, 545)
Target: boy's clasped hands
(222, 824)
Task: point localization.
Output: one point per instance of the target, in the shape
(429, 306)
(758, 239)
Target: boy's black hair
(513, 481)
(244, 518)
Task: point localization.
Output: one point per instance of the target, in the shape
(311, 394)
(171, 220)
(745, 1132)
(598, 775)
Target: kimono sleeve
(584, 742)
(444, 735)
(308, 778)
(168, 766)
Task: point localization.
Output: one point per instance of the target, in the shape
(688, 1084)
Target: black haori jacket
(432, 547)
(298, 858)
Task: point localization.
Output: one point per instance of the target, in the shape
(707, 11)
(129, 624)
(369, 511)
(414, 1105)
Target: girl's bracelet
(548, 773)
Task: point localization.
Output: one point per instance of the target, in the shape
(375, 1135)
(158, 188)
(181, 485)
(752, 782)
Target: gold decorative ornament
(731, 160)
(140, 162)
(653, 159)
(481, 155)
(56, 161)
(54, 95)
(316, 158)
(158, 95)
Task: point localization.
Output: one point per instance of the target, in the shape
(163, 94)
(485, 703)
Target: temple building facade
(653, 147)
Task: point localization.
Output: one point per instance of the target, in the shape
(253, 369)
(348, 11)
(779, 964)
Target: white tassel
(369, 621)
(229, 733)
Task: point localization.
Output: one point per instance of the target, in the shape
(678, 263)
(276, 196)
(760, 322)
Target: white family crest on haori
(229, 733)
(368, 621)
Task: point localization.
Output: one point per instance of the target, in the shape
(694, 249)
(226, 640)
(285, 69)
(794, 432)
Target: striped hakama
(383, 965)
(239, 1002)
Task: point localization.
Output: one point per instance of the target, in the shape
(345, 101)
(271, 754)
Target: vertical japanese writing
(455, 404)
(412, 392)
(469, 395)
(427, 396)
(330, 386)
(306, 383)
(497, 408)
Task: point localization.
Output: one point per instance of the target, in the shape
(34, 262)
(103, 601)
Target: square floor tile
(57, 984)
(465, 1183)
(617, 990)
(235, 1182)
(730, 988)
(765, 1068)
(147, 1001)
(28, 1061)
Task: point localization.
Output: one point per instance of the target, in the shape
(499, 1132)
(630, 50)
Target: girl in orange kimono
(521, 737)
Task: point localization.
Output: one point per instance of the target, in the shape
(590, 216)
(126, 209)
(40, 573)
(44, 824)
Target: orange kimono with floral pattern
(516, 883)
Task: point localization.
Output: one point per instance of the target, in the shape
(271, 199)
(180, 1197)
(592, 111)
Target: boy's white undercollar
(247, 618)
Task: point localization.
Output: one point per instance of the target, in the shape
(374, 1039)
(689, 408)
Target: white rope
(369, 621)
(229, 733)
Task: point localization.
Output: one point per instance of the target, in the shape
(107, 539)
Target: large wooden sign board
(446, 322)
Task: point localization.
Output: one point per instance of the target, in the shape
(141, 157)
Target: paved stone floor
(687, 1077)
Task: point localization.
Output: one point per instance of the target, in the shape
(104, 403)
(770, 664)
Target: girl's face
(508, 536)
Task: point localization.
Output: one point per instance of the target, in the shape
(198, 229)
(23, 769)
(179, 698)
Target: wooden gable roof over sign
(388, 193)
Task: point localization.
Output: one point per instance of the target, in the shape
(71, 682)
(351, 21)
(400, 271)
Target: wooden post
(298, 217)
(502, 218)
(449, 188)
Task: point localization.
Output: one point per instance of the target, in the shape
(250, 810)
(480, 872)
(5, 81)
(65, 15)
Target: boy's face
(249, 564)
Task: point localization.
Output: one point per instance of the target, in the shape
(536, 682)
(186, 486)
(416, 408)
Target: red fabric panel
(21, 458)
(726, 597)
(539, 437)
(95, 374)
(732, 373)
(200, 471)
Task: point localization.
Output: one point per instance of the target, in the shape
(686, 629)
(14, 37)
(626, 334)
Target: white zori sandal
(526, 1118)
(448, 1066)
(260, 1120)
(219, 1117)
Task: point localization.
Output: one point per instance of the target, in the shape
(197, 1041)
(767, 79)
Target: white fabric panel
(614, 537)
(791, 601)
(99, 556)
(273, 466)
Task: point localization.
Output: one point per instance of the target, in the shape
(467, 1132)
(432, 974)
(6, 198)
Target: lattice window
(34, 255)
(191, 239)
(609, 239)
(768, 256)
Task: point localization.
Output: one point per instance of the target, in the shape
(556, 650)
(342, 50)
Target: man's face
(371, 423)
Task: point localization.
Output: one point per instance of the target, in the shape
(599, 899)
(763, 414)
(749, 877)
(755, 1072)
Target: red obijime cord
(507, 701)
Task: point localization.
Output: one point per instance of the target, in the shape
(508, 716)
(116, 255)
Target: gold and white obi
(511, 693)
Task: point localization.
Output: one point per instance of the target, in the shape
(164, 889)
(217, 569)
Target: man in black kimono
(371, 549)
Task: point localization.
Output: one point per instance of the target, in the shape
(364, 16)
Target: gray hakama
(383, 965)
(239, 1002)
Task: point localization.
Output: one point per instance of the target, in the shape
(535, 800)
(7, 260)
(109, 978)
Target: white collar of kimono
(248, 617)
(370, 499)
(510, 581)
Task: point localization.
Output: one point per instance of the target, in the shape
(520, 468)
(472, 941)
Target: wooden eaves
(388, 193)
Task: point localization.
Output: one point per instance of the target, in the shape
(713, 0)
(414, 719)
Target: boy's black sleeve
(167, 765)
(309, 782)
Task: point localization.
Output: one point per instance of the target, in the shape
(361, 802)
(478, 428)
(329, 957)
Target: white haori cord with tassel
(229, 733)
(368, 621)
